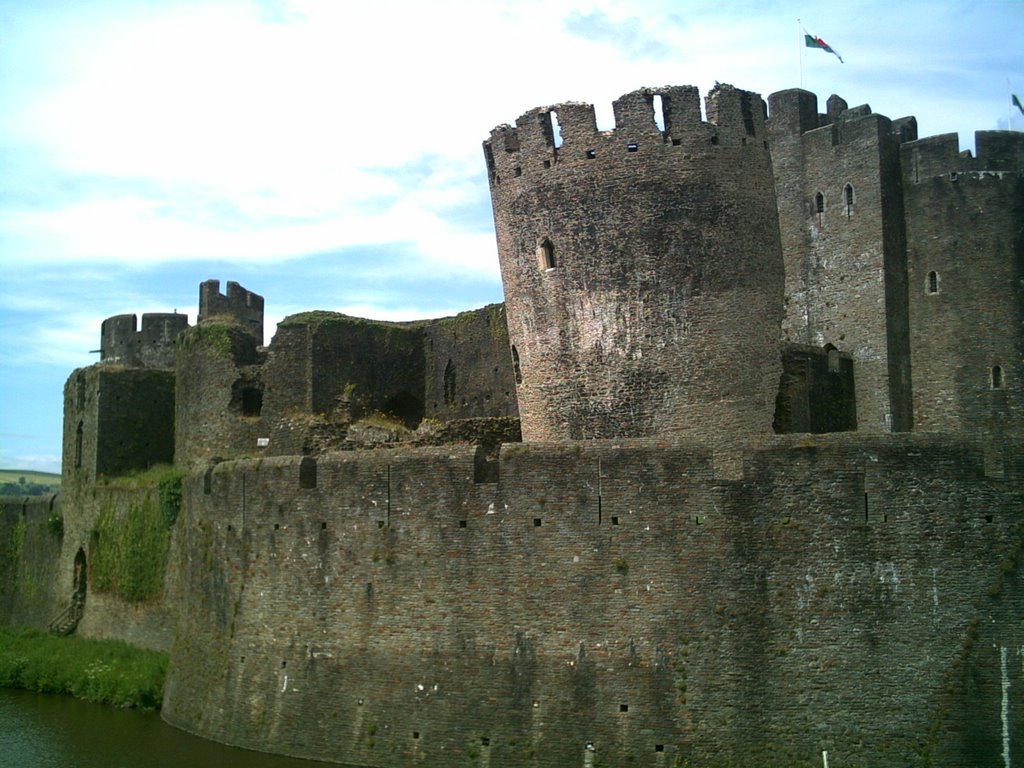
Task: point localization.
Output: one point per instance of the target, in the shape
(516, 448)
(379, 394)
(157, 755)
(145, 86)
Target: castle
(732, 478)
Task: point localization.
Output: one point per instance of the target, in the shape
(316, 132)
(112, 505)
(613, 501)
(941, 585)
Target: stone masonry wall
(469, 366)
(217, 364)
(148, 624)
(965, 224)
(29, 555)
(845, 264)
(607, 603)
(116, 420)
(150, 347)
(641, 266)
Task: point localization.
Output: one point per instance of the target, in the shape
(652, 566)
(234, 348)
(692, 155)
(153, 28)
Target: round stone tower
(642, 266)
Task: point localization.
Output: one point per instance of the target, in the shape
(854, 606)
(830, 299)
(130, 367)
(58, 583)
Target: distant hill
(23, 482)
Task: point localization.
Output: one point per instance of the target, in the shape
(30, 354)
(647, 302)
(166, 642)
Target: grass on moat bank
(100, 671)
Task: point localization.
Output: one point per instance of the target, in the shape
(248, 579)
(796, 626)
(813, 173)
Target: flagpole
(1009, 106)
(799, 52)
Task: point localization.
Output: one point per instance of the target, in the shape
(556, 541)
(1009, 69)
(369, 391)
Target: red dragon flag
(816, 42)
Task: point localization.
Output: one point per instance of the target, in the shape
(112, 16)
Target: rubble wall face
(642, 266)
(847, 594)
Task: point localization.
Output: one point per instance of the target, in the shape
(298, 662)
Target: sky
(326, 154)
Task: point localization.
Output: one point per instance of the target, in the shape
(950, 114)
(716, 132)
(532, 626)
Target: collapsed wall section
(641, 266)
(219, 394)
(620, 602)
(468, 367)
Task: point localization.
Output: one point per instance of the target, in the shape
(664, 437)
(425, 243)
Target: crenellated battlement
(646, 120)
(244, 306)
(794, 112)
(121, 341)
(998, 153)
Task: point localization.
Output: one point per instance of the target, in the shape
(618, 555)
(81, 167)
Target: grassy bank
(101, 671)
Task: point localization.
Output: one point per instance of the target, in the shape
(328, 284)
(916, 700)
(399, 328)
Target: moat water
(41, 731)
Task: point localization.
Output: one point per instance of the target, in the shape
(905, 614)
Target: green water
(43, 731)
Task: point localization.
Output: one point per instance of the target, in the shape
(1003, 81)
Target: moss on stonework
(17, 541)
(325, 319)
(212, 335)
(129, 549)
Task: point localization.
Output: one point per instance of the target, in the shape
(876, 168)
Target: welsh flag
(816, 42)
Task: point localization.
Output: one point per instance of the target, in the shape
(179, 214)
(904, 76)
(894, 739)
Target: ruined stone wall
(116, 420)
(641, 266)
(338, 368)
(816, 392)
(607, 604)
(149, 623)
(30, 547)
(239, 305)
(219, 395)
(468, 366)
(845, 263)
(965, 219)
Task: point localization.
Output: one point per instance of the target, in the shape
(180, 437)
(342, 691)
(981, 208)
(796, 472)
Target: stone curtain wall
(150, 623)
(606, 604)
(30, 548)
(641, 266)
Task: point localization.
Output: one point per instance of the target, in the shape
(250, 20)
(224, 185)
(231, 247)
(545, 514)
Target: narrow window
(833, 359)
(307, 473)
(819, 203)
(546, 254)
(515, 365)
(933, 282)
(848, 195)
(78, 445)
(997, 377)
(632, 147)
(658, 104)
(449, 383)
(556, 129)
